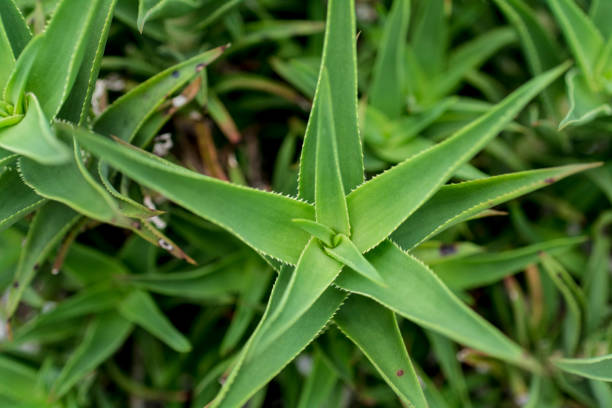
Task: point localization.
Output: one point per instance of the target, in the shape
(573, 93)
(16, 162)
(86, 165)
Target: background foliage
(472, 268)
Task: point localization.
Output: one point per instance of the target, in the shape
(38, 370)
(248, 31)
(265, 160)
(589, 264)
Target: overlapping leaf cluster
(365, 238)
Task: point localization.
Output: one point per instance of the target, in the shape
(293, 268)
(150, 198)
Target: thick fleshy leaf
(487, 268)
(7, 59)
(583, 37)
(418, 178)
(345, 252)
(50, 224)
(373, 328)
(456, 203)
(314, 272)
(17, 199)
(102, 339)
(596, 281)
(140, 308)
(33, 137)
(15, 26)
(77, 104)
(585, 104)
(265, 222)
(330, 202)
(60, 55)
(73, 185)
(597, 368)
(340, 61)
(127, 114)
(263, 363)
(387, 90)
(430, 37)
(411, 286)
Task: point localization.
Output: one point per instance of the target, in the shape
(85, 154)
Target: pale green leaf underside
(597, 368)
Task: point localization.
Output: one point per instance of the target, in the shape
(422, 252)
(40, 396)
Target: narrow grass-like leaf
(330, 202)
(7, 59)
(15, 26)
(416, 293)
(51, 222)
(265, 223)
(127, 114)
(486, 268)
(340, 61)
(33, 137)
(102, 338)
(416, 179)
(540, 50)
(140, 308)
(374, 329)
(573, 320)
(585, 41)
(386, 92)
(597, 278)
(456, 203)
(258, 282)
(17, 198)
(319, 384)
(597, 368)
(471, 56)
(210, 281)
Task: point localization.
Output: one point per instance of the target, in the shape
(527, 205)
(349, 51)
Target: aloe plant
(350, 253)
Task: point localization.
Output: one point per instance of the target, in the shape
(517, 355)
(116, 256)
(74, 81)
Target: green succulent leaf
(266, 224)
(129, 113)
(22, 378)
(583, 37)
(418, 178)
(340, 61)
(345, 252)
(33, 137)
(363, 321)
(455, 203)
(597, 368)
(140, 308)
(15, 27)
(410, 288)
(17, 199)
(585, 104)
